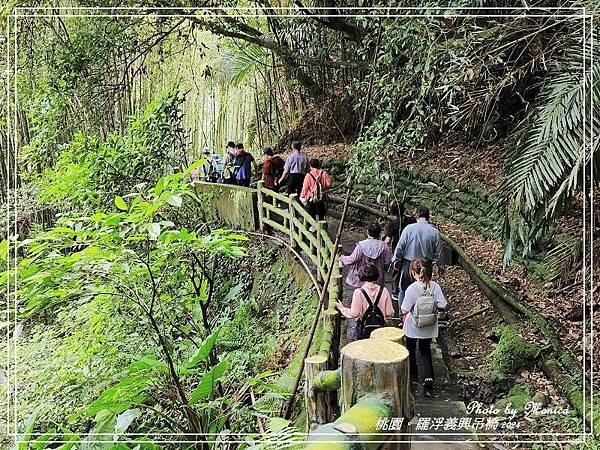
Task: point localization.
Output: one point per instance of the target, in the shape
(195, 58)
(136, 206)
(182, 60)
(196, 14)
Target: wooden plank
(277, 226)
(276, 195)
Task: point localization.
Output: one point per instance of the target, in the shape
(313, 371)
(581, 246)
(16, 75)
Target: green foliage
(90, 171)
(561, 259)
(518, 396)
(512, 351)
(546, 165)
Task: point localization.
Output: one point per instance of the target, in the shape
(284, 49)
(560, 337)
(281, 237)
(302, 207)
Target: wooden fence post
(374, 386)
(321, 228)
(335, 291)
(387, 361)
(292, 214)
(314, 401)
(333, 319)
(259, 205)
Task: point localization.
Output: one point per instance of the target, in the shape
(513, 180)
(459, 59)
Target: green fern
(560, 260)
(544, 170)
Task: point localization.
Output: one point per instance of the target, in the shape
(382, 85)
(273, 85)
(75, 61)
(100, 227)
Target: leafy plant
(126, 254)
(546, 166)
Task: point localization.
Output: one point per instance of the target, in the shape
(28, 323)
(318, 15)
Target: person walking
(227, 175)
(313, 194)
(422, 300)
(365, 300)
(294, 169)
(208, 168)
(392, 236)
(368, 251)
(272, 169)
(418, 240)
(242, 163)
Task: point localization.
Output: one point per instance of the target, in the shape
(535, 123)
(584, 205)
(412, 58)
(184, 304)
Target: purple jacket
(369, 251)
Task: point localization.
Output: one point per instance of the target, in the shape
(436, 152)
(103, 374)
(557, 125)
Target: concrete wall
(234, 206)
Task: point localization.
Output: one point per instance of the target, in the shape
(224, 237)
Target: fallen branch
(473, 314)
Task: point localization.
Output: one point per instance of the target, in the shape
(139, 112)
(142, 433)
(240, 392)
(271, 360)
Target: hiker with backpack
(272, 169)
(242, 166)
(371, 304)
(368, 251)
(422, 301)
(314, 190)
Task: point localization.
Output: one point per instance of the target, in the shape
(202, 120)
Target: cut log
(393, 334)
(315, 401)
(376, 367)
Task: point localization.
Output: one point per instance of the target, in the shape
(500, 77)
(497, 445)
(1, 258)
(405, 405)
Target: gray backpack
(424, 311)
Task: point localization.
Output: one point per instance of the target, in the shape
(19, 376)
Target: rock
(501, 382)
(516, 399)
(540, 398)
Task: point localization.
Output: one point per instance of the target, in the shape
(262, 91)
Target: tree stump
(393, 334)
(332, 320)
(377, 367)
(315, 401)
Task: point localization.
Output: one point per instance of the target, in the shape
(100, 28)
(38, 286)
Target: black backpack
(372, 318)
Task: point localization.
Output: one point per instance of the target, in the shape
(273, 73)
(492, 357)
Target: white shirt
(413, 292)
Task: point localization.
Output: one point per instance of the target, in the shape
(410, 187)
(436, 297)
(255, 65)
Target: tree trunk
(315, 400)
(393, 334)
(376, 367)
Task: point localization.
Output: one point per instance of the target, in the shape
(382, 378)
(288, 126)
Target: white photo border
(390, 12)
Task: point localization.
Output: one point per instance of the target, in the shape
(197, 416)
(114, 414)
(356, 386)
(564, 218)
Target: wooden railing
(331, 416)
(287, 215)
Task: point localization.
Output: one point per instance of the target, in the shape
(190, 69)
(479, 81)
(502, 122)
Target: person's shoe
(428, 383)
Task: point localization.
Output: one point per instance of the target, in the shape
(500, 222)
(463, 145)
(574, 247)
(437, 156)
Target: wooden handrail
(295, 216)
(287, 215)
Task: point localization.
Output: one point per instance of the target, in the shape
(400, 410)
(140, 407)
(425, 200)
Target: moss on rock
(517, 398)
(512, 351)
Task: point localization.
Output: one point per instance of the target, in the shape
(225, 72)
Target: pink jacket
(368, 251)
(359, 303)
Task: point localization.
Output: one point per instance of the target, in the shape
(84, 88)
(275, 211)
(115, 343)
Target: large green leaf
(203, 351)
(208, 383)
(120, 203)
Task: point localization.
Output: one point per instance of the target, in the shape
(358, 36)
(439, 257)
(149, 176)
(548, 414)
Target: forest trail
(445, 402)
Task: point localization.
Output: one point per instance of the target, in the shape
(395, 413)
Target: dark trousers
(244, 182)
(401, 279)
(396, 282)
(425, 354)
(316, 210)
(294, 183)
(405, 278)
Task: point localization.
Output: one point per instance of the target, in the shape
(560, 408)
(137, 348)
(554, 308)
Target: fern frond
(544, 170)
(561, 259)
